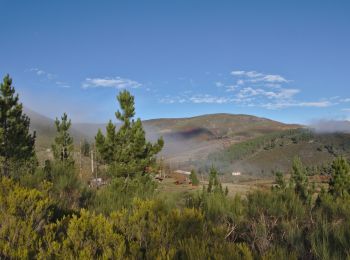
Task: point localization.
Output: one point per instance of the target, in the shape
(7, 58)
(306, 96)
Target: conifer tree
(99, 144)
(280, 181)
(16, 141)
(339, 184)
(127, 150)
(85, 148)
(63, 146)
(214, 183)
(110, 145)
(194, 178)
(299, 180)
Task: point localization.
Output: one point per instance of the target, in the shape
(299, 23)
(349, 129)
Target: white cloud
(231, 88)
(219, 84)
(40, 72)
(254, 76)
(254, 89)
(274, 78)
(282, 93)
(107, 82)
(346, 109)
(209, 99)
(62, 84)
(196, 99)
(238, 72)
(280, 105)
(278, 94)
(240, 82)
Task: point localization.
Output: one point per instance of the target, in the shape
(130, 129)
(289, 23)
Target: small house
(180, 176)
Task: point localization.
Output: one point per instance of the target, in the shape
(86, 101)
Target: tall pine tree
(339, 185)
(63, 146)
(300, 181)
(127, 151)
(16, 141)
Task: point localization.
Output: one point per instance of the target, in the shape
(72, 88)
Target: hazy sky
(285, 60)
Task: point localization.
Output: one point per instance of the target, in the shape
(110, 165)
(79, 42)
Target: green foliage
(121, 192)
(87, 236)
(24, 214)
(340, 181)
(280, 181)
(63, 146)
(85, 148)
(214, 183)
(194, 178)
(265, 142)
(16, 141)
(299, 180)
(47, 213)
(126, 151)
(67, 189)
(136, 224)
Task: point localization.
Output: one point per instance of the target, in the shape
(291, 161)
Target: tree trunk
(5, 167)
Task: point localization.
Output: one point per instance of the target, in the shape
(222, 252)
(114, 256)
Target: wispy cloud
(219, 84)
(278, 94)
(48, 77)
(62, 84)
(254, 76)
(280, 105)
(42, 73)
(110, 82)
(238, 72)
(196, 99)
(253, 89)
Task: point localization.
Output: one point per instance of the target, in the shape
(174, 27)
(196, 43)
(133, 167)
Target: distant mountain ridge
(185, 138)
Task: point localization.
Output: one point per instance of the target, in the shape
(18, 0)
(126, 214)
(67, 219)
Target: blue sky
(285, 60)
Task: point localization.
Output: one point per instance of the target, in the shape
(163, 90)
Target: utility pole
(80, 162)
(96, 161)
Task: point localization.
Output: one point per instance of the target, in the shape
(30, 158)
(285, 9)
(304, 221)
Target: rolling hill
(249, 144)
(276, 151)
(186, 139)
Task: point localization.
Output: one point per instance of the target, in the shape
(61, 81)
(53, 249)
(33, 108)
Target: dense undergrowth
(130, 220)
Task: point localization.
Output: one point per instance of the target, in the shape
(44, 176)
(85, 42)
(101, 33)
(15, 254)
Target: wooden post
(92, 162)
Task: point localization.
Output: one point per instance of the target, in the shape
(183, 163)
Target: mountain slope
(276, 151)
(45, 129)
(186, 139)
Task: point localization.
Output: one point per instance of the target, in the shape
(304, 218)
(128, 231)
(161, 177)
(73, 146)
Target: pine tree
(85, 148)
(127, 150)
(16, 141)
(280, 181)
(214, 183)
(110, 145)
(339, 184)
(99, 144)
(299, 180)
(63, 146)
(194, 178)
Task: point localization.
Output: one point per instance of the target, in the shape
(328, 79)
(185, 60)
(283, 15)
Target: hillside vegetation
(184, 138)
(50, 211)
(275, 151)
